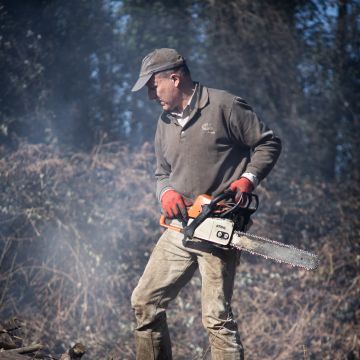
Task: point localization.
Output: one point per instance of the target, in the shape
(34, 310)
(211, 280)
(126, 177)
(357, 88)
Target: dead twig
(26, 349)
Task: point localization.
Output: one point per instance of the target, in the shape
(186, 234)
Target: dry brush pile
(76, 230)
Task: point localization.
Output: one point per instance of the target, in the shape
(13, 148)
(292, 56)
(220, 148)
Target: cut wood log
(6, 345)
(8, 335)
(26, 349)
(5, 355)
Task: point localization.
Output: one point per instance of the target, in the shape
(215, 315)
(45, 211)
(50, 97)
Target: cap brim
(141, 82)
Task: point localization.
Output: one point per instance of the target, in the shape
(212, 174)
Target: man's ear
(176, 79)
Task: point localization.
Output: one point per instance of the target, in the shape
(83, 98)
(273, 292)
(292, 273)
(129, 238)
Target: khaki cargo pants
(170, 267)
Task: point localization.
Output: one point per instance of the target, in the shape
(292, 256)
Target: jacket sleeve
(249, 131)
(163, 169)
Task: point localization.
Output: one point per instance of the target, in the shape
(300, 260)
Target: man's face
(164, 91)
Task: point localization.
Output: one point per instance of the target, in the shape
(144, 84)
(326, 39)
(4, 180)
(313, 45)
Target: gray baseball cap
(157, 61)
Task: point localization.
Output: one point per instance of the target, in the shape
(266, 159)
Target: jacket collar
(199, 101)
(203, 97)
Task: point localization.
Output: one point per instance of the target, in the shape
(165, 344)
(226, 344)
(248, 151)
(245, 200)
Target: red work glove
(241, 187)
(174, 205)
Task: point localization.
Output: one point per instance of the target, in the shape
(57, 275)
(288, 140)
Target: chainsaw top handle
(207, 210)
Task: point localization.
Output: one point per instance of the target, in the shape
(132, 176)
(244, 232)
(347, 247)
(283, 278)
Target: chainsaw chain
(273, 242)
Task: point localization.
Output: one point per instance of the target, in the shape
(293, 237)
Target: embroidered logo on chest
(206, 127)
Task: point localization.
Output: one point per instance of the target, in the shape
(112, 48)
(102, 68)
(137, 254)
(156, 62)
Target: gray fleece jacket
(222, 139)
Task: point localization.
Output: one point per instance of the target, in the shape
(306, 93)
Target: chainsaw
(224, 222)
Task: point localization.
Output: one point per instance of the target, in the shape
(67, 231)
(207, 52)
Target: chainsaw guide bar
(274, 250)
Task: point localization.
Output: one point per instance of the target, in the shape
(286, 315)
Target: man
(206, 141)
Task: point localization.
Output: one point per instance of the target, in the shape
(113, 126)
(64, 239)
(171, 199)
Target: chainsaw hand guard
(207, 210)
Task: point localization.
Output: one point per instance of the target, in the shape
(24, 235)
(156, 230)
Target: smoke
(85, 225)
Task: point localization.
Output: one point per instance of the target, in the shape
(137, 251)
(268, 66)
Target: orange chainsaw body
(196, 208)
